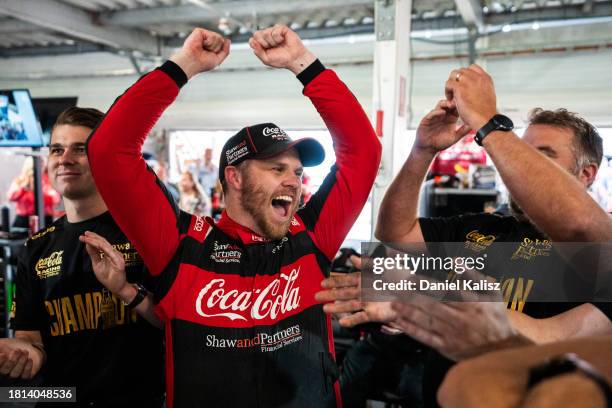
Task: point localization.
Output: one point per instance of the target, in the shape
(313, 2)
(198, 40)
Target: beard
(257, 202)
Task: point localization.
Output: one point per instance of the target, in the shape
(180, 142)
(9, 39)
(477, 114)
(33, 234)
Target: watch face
(503, 122)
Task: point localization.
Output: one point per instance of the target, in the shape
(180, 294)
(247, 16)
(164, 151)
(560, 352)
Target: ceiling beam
(33, 51)
(16, 26)
(77, 23)
(235, 9)
(471, 12)
(568, 12)
(304, 33)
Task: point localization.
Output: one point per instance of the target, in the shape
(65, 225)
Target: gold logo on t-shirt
(531, 248)
(477, 241)
(43, 233)
(130, 256)
(49, 266)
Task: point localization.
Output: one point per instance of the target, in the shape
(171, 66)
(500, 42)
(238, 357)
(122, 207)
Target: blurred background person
(192, 197)
(161, 169)
(21, 192)
(206, 172)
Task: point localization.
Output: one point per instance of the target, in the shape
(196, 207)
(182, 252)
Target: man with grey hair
(547, 173)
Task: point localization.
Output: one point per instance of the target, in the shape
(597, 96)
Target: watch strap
(497, 122)
(484, 131)
(141, 294)
(569, 363)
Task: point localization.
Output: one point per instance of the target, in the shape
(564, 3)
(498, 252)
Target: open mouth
(282, 205)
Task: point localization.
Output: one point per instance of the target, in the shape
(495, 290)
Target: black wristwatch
(569, 363)
(497, 122)
(141, 294)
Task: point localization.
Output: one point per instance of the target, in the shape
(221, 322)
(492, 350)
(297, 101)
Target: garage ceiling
(145, 28)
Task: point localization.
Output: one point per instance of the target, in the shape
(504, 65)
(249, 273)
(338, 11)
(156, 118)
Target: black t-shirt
(94, 342)
(523, 268)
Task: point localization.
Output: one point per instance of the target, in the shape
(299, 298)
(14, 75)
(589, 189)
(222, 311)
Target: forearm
(335, 207)
(356, 145)
(34, 339)
(501, 377)
(546, 192)
(540, 331)
(582, 321)
(302, 62)
(399, 208)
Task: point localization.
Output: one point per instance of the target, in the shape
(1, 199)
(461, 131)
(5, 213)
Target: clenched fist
(281, 47)
(202, 51)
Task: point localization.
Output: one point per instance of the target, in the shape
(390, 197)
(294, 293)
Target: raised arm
(500, 379)
(136, 199)
(545, 191)
(398, 217)
(331, 212)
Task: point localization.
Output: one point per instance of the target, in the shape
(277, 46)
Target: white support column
(390, 95)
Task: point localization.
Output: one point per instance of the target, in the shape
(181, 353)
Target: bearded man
(237, 297)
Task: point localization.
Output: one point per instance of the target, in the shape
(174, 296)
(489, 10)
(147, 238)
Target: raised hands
(438, 129)
(472, 92)
(278, 47)
(281, 47)
(109, 267)
(108, 263)
(342, 295)
(202, 51)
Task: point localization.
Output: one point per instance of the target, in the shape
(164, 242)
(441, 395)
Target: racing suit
(241, 322)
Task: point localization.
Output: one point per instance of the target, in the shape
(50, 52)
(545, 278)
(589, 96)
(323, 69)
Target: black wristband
(141, 294)
(311, 72)
(175, 72)
(565, 364)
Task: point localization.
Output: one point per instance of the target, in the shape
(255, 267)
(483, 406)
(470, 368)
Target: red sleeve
(135, 198)
(332, 211)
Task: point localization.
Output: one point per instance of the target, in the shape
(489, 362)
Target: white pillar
(390, 95)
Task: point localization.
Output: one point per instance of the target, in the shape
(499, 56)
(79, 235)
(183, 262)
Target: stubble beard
(256, 201)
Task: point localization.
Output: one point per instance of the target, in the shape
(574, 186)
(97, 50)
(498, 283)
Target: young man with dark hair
(68, 326)
(237, 298)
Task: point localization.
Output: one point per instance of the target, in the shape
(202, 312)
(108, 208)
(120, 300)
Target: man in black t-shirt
(547, 173)
(68, 326)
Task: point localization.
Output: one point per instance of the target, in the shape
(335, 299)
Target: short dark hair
(588, 144)
(74, 116)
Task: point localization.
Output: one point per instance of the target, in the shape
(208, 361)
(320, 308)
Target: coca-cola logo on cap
(275, 133)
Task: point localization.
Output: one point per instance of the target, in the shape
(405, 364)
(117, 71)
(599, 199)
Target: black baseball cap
(264, 141)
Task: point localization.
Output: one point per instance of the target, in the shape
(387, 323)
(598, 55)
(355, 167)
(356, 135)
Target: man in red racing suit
(236, 297)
